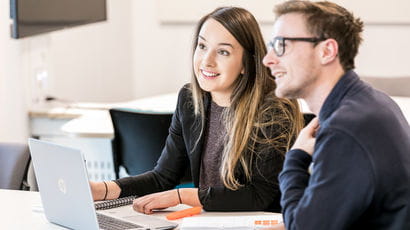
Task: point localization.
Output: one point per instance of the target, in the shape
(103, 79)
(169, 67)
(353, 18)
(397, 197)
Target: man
(350, 168)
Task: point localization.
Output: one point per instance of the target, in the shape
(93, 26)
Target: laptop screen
(63, 183)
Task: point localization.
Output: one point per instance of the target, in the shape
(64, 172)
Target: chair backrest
(307, 117)
(14, 162)
(393, 86)
(138, 139)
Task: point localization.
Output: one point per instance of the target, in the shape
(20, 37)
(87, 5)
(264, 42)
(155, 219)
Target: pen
(184, 213)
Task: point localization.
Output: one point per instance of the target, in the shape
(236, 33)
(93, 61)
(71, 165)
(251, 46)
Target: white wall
(162, 53)
(385, 51)
(371, 11)
(93, 62)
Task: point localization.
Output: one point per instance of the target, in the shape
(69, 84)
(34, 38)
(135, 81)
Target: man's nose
(270, 58)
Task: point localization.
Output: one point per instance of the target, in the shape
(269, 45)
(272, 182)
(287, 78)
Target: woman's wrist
(97, 190)
(189, 196)
(105, 190)
(179, 196)
(113, 190)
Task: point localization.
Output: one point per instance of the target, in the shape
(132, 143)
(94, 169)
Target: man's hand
(307, 137)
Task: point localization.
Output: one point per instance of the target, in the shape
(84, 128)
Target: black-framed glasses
(278, 43)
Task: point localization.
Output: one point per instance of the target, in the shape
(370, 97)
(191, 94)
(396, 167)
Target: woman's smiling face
(217, 59)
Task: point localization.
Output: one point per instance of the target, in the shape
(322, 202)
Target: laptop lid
(63, 184)
(65, 191)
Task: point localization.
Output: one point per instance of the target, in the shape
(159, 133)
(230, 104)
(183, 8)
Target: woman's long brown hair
(254, 108)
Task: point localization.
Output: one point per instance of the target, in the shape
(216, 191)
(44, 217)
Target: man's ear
(329, 50)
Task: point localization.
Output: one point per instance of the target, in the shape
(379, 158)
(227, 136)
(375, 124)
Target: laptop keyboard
(109, 223)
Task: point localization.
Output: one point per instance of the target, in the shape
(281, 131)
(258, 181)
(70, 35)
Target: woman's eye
(223, 52)
(201, 46)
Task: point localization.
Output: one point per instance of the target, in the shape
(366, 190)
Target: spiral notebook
(108, 204)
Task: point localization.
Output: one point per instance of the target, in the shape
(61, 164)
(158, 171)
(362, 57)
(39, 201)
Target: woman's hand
(161, 200)
(158, 200)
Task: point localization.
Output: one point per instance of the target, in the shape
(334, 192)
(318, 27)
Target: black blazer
(182, 148)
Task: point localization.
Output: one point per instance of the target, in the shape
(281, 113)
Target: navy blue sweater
(360, 176)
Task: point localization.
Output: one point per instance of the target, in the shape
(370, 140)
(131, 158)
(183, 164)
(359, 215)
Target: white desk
(47, 119)
(97, 123)
(23, 210)
(90, 119)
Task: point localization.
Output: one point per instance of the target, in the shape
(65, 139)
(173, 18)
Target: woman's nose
(209, 59)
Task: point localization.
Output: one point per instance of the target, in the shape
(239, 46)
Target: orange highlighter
(184, 213)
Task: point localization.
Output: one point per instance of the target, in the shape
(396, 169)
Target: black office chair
(14, 164)
(308, 117)
(138, 140)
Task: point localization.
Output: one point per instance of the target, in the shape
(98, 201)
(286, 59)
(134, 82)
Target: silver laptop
(66, 195)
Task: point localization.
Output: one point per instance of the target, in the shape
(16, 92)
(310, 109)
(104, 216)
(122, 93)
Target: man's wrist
(298, 157)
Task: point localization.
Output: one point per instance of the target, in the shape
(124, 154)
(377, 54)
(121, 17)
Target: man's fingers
(312, 127)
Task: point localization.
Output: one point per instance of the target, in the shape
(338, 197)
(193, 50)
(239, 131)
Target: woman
(228, 126)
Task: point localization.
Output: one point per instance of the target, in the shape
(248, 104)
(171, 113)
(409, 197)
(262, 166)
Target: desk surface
(55, 111)
(23, 210)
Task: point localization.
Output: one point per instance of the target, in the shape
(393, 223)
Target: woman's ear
(243, 71)
(329, 50)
